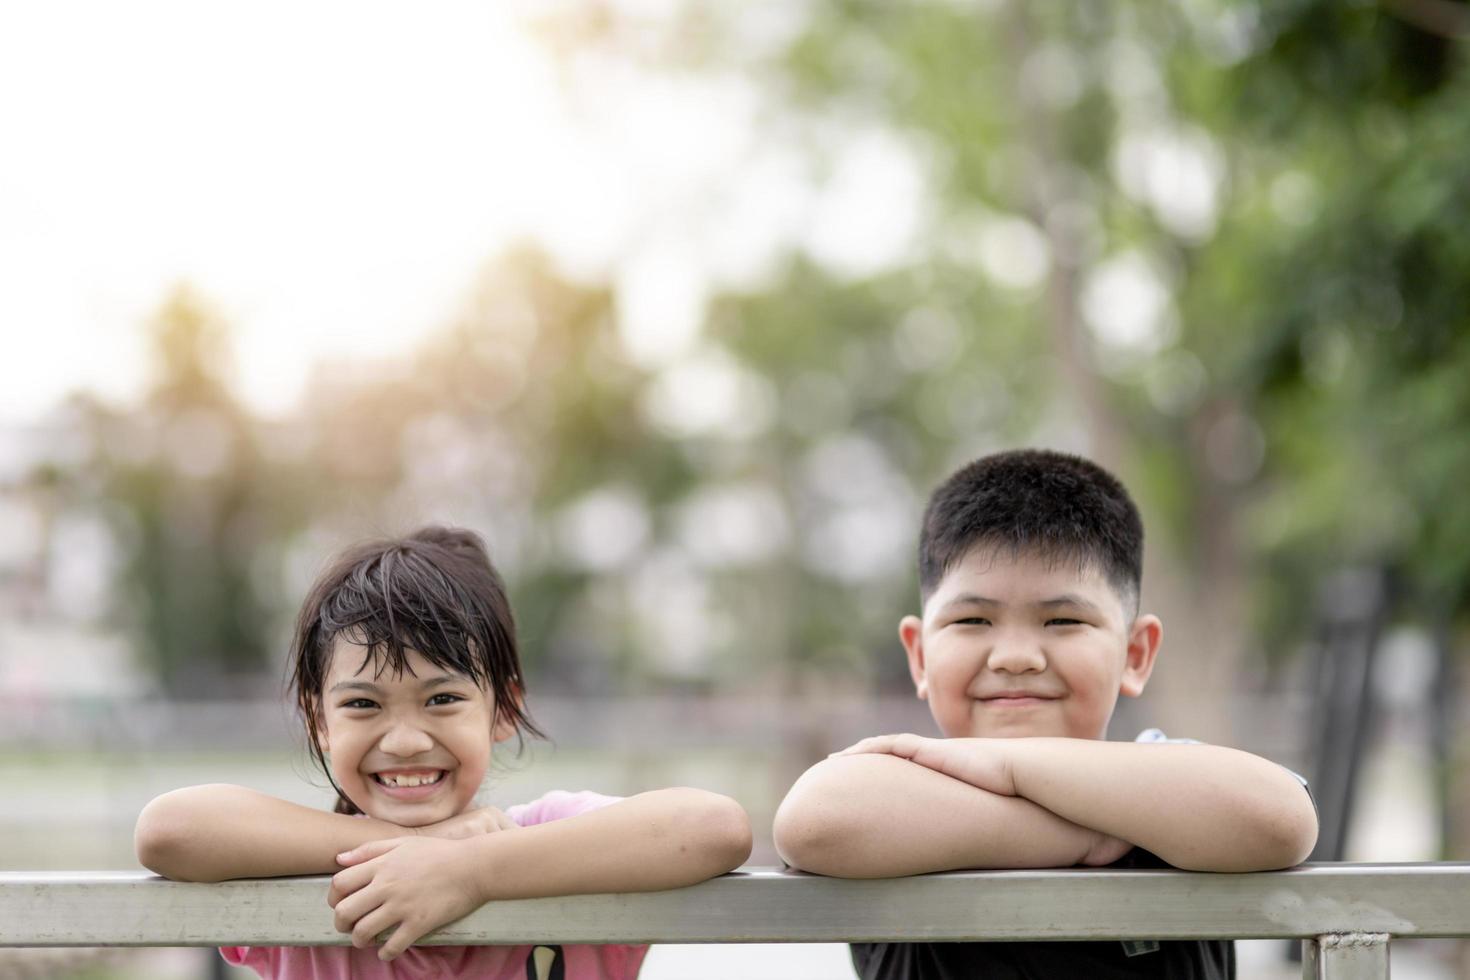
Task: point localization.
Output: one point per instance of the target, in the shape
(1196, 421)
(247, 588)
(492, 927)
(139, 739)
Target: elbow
(826, 824)
(809, 837)
(799, 836)
(1265, 841)
(1289, 840)
(1283, 835)
(716, 828)
(157, 838)
(164, 839)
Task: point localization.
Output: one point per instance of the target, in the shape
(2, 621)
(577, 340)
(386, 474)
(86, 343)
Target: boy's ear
(1144, 638)
(911, 633)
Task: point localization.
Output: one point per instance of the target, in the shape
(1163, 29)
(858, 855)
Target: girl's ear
(1144, 638)
(319, 733)
(911, 633)
(503, 725)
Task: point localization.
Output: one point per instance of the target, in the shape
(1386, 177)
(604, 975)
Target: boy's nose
(1016, 656)
(405, 740)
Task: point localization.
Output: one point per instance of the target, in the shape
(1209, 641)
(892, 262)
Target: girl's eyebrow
(428, 682)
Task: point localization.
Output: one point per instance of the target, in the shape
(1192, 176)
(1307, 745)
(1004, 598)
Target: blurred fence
(1269, 723)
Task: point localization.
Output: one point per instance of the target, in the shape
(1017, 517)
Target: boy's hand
(1105, 850)
(482, 820)
(409, 885)
(981, 762)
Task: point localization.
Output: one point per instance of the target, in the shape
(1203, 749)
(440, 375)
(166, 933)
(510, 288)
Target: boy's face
(1020, 646)
(409, 749)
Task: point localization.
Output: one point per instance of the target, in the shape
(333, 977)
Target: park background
(685, 307)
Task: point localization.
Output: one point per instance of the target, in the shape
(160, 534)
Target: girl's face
(411, 749)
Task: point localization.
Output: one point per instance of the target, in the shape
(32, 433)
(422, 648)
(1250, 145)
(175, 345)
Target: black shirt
(1181, 959)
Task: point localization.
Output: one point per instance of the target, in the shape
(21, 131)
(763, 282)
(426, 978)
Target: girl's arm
(663, 839)
(217, 831)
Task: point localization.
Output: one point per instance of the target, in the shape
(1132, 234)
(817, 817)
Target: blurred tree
(1220, 239)
(195, 511)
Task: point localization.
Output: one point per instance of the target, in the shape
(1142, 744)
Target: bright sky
(332, 175)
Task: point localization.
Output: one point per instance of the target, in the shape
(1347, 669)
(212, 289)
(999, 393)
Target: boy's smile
(1016, 646)
(411, 749)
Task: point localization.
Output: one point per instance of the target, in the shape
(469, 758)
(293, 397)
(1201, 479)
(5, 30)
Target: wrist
(482, 866)
(1025, 762)
(1001, 769)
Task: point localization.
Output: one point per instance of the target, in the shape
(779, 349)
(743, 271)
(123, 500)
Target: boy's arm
(877, 816)
(663, 839)
(1198, 807)
(217, 831)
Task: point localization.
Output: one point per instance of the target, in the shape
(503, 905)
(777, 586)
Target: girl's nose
(405, 740)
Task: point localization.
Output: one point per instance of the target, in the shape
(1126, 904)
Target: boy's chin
(1018, 728)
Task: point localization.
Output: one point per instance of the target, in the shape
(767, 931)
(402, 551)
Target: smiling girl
(406, 675)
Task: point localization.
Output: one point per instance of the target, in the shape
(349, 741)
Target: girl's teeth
(409, 780)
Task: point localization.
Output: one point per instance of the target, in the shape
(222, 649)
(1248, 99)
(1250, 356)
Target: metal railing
(1346, 913)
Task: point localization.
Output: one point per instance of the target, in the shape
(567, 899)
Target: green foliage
(1290, 178)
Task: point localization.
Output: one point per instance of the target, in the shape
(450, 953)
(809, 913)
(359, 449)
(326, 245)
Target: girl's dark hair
(1033, 501)
(434, 592)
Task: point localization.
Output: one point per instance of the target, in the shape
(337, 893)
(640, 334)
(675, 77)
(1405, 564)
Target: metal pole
(1346, 956)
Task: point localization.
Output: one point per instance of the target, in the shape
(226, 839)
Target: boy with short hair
(1029, 570)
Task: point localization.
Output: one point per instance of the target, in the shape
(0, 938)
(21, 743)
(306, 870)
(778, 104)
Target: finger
(875, 744)
(346, 882)
(404, 936)
(368, 851)
(372, 926)
(906, 745)
(350, 912)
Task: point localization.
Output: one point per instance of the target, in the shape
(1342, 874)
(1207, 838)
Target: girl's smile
(412, 747)
(417, 785)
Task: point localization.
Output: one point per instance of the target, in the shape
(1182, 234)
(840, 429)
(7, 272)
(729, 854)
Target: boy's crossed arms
(905, 804)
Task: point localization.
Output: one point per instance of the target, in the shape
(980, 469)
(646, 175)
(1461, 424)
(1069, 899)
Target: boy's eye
(1063, 621)
(442, 699)
(359, 703)
(973, 621)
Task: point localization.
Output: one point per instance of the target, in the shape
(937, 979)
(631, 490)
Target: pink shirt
(606, 962)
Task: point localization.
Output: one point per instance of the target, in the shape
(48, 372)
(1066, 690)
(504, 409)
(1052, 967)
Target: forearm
(1200, 807)
(217, 831)
(662, 839)
(879, 816)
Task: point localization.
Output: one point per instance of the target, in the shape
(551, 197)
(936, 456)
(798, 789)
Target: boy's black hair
(1037, 502)
(434, 592)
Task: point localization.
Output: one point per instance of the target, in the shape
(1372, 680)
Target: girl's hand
(981, 762)
(409, 885)
(483, 820)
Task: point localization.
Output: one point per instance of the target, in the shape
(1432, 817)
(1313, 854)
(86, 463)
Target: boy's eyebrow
(370, 686)
(1067, 599)
(971, 599)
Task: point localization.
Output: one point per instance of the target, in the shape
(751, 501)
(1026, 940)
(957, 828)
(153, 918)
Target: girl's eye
(359, 703)
(442, 699)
